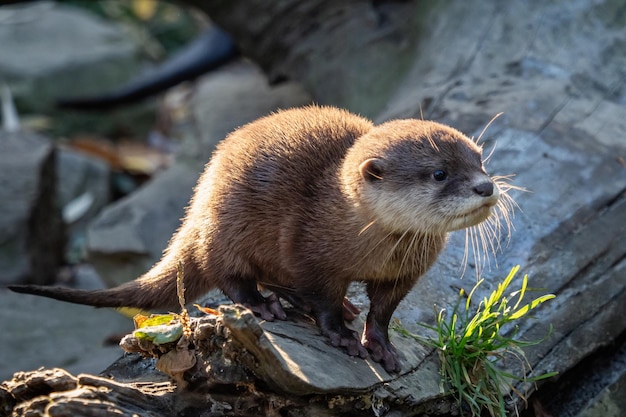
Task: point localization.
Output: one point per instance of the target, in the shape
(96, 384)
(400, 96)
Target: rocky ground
(39, 332)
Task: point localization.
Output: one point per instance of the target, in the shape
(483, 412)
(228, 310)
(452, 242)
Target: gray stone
(556, 71)
(562, 135)
(31, 230)
(52, 50)
(83, 191)
(308, 42)
(42, 332)
(232, 97)
(79, 173)
(611, 402)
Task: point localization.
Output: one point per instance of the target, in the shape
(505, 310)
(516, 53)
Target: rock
(83, 191)
(299, 41)
(234, 96)
(42, 332)
(592, 388)
(292, 357)
(31, 229)
(78, 174)
(52, 50)
(130, 235)
(611, 401)
(559, 136)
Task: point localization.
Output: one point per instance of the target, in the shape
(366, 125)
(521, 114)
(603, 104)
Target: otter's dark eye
(440, 175)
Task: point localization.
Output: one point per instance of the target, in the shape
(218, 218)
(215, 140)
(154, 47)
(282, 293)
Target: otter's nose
(485, 189)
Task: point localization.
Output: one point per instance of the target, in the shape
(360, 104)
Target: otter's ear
(372, 169)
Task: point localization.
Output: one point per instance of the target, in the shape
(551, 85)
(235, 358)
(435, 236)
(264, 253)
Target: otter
(305, 201)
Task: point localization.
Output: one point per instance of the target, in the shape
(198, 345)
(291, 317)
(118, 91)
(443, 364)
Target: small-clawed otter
(307, 200)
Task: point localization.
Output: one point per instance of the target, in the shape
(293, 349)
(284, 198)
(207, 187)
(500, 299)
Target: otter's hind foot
(269, 309)
(245, 292)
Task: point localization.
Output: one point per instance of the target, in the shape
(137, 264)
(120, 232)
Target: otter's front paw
(381, 350)
(349, 340)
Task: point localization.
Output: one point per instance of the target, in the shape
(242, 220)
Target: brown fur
(306, 201)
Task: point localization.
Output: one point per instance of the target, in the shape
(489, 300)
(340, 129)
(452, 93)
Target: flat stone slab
(295, 357)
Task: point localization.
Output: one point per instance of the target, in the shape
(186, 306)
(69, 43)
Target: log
(240, 367)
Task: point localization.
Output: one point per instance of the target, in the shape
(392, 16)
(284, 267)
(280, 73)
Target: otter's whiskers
(485, 239)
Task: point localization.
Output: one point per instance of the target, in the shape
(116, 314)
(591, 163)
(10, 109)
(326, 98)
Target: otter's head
(420, 176)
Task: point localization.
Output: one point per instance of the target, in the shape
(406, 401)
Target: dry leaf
(176, 361)
(207, 310)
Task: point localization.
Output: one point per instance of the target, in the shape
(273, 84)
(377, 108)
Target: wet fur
(288, 202)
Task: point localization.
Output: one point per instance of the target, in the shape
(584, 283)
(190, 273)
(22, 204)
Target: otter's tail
(154, 290)
(130, 294)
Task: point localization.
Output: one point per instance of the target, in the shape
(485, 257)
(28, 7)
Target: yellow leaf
(131, 312)
(519, 313)
(159, 334)
(154, 320)
(144, 9)
(521, 292)
(139, 319)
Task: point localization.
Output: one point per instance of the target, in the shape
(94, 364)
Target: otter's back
(284, 155)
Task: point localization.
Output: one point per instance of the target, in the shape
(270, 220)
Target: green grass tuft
(472, 345)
